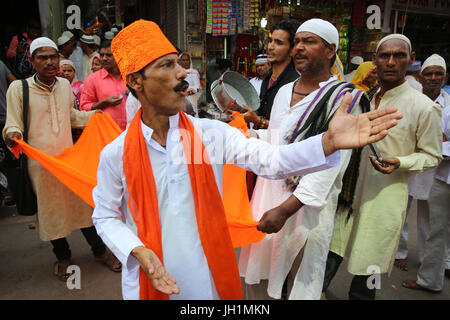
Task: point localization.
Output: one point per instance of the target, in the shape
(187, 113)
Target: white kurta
(183, 254)
(256, 83)
(273, 256)
(419, 184)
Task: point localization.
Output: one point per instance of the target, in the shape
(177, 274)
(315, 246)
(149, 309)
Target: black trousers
(358, 288)
(62, 250)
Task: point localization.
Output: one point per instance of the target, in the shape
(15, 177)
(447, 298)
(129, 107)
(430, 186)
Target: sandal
(110, 260)
(62, 265)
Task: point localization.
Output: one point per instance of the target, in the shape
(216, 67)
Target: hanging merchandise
(246, 52)
(209, 16)
(254, 13)
(200, 13)
(343, 28)
(235, 17)
(246, 13)
(220, 18)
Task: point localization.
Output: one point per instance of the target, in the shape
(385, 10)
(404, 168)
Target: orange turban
(139, 44)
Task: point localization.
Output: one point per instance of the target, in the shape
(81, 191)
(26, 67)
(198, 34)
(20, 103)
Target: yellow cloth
(371, 236)
(335, 70)
(51, 116)
(361, 74)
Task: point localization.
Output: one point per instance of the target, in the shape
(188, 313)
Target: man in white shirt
(300, 211)
(90, 51)
(435, 257)
(180, 244)
(432, 78)
(262, 68)
(412, 75)
(354, 64)
(435, 264)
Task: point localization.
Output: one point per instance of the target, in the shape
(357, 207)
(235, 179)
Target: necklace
(299, 93)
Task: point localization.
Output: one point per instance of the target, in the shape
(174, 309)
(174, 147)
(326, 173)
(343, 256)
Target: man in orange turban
(158, 202)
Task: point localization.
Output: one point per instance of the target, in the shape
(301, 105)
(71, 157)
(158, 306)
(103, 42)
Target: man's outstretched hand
(155, 271)
(349, 131)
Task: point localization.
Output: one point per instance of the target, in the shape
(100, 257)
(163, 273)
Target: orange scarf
(76, 168)
(209, 209)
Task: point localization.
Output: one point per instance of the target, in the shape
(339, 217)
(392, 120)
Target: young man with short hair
(279, 50)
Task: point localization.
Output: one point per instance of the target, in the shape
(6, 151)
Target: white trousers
(423, 229)
(259, 291)
(431, 271)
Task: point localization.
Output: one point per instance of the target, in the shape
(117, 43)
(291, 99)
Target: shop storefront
(238, 30)
(426, 24)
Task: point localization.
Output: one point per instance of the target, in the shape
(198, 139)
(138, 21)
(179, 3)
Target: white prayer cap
(41, 43)
(434, 60)
(87, 39)
(261, 58)
(357, 60)
(63, 40)
(97, 40)
(114, 29)
(109, 35)
(395, 36)
(68, 34)
(322, 28)
(65, 62)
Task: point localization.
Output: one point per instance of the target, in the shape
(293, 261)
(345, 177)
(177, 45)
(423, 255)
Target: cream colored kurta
(50, 118)
(370, 238)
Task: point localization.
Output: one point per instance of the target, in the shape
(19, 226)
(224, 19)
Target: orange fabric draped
(235, 198)
(76, 168)
(143, 200)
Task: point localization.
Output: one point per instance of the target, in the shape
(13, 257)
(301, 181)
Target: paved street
(26, 269)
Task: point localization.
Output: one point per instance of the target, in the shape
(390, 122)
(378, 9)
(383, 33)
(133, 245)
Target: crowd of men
(331, 173)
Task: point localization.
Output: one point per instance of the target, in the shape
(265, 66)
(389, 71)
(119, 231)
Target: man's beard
(309, 67)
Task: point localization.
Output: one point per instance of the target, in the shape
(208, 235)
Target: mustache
(180, 86)
(300, 55)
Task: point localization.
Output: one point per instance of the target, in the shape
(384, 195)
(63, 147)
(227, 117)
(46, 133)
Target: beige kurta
(50, 118)
(370, 238)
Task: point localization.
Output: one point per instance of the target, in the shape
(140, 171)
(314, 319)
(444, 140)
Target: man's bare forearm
(291, 205)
